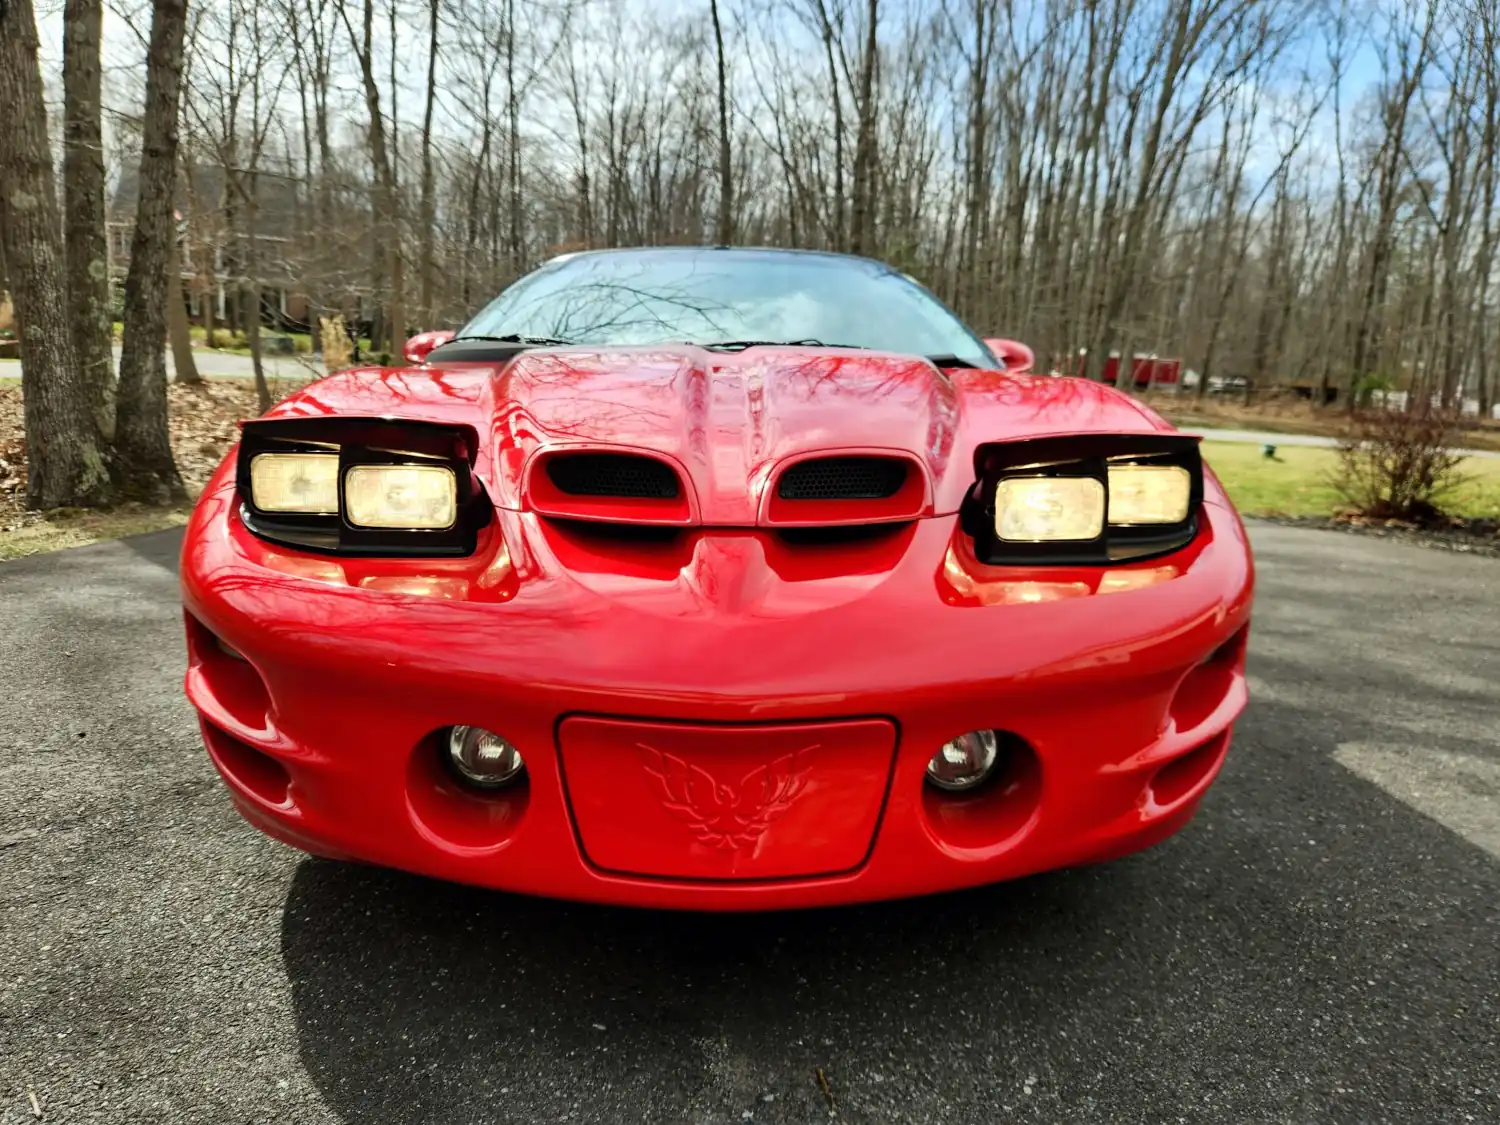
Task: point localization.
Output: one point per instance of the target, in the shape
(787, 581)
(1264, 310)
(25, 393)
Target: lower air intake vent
(843, 478)
(613, 474)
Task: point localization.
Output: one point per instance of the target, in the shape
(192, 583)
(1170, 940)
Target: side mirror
(1016, 356)
(417, 349)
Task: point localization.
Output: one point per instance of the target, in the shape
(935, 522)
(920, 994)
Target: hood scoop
(676, 434)
(625, 475)
(843, 478)
(609, 486)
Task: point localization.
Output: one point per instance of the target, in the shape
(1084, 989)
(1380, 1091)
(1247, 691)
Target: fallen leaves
(203, 422)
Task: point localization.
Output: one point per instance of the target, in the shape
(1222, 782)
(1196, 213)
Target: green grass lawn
(1297, 483)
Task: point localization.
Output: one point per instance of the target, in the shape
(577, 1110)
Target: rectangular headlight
(417, 497)
(295, 482)
(1149, 494)
(1048, 509)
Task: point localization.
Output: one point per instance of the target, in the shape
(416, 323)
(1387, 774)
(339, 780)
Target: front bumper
(1124, 692)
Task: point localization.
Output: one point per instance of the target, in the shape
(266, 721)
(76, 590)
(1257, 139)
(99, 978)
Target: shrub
(337, 350)
(302, 345)
(220, 338)
(1398, 464)
(1369, 388)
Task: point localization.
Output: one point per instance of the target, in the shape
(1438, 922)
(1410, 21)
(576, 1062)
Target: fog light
(482, 758)
(964, 762)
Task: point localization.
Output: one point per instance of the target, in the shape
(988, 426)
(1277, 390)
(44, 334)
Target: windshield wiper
(538, 341)
(741, 345)
(949, 361)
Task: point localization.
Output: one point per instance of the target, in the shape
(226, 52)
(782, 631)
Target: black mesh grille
(843, 478)
(613, 474)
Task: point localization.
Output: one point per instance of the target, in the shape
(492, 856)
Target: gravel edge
(1457, 540)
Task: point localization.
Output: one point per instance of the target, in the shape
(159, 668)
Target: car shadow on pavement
(1288, 956)
(160, 548)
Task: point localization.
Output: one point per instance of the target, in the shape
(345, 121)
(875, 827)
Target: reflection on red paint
(417, 585)
(964, 580)
(1135, 578)
(304, 566)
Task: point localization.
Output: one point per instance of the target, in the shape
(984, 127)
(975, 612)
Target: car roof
(739, 253)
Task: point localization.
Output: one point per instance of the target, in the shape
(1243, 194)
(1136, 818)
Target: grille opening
(600, 532)
(835, 534)
(613, 474)
(843, 478)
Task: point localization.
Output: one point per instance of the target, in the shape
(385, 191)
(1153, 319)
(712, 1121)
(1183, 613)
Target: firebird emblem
(727, 817)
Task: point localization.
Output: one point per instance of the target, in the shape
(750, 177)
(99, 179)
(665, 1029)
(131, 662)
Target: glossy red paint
(726, 646)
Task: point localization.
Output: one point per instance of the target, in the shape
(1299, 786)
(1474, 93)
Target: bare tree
(387, 226)
(725, 228)
(142, 443)
(66, 464)
(429, 201)
(83, 209)
(1056, 171)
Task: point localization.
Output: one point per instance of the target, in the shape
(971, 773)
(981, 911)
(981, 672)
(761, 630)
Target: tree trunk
(83, 210)
(386, 229)
(181, 335)
(724, 235)
(861, 213)
(398, 311)
(428, 313)
(142, 442)
(210, 303)
(837, 226)
(66, 465)
(512, 149)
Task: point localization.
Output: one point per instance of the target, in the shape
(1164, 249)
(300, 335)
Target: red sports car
(715, 579)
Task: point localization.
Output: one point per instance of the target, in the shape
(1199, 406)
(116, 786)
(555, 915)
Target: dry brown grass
(338, 350)
(204, 424)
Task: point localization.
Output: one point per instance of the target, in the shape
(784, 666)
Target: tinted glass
(711, 296)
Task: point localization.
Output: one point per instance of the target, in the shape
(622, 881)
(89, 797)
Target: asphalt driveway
(1322, 944)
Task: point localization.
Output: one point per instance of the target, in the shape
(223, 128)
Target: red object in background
(419, 347)
(1017, 357)
(1147, 371)
(718, 708)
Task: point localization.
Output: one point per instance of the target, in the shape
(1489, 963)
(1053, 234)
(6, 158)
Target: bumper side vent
(843, 478)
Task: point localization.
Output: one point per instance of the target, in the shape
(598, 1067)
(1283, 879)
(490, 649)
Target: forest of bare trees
(1278, 192)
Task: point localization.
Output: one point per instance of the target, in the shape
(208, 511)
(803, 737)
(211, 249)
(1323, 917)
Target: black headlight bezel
(365, 441)
(1085, 455)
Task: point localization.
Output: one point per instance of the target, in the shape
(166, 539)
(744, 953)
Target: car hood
(727, 419)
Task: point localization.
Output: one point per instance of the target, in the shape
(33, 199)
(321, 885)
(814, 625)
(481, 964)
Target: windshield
(717, 296)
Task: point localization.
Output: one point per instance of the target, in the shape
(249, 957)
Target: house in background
(213, 233)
